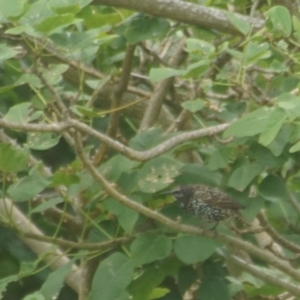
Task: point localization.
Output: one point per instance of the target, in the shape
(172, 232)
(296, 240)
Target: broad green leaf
(29, 186)
(291, 104)
(54, 22)
(12, 159)
(240, 24)
(218, 159)
(250, 124)
(192, 248)
(242, 176)
(280, 141)
(37, 13)
(158, 293)
(19, 113)
(199, 47)
(296, 26)
(116, 166)
(112, 277)
(197, 173)
(197, 69)
(35, 296)
(64, 177)
(157, 74)
(55, 281)
(7, 52)
(158, 173)
(31, 79)
(142, 27)
(148, 139)
(235, 53)
(126, 216)
(255, 51)
(295, 148)
(273, 189)
(142, 287)
(11, 8)
(42, 141)
(279, 21)
(193, 105)
(46, 205)
(272, 126)
(150, 247)
(4, 282)
(213, 284)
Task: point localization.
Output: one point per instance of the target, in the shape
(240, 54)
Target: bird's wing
(217, 198)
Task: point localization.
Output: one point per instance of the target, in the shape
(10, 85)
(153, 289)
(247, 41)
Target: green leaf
(35, 296)
(279, 21)
(272, 126)
(6, 52)
(148, 139)
(240, 24)
(55, 281)
(19, 113)
(255, 51)
(42, 141)
(126, 216)
(193, 105)
(191, 248)
(46, 205)
(273, 189)
(199, 47)
(213, 284)
(29, 186)
(158, 293)
(197, 69)
(54, 22)
(250, 124)
(157, 74)
(142, 287)
(116, 166)
(291, 104)
(280, 141)
(242, 176)
(4, 282)
(11, 8)
(295, 148)
(37, 12)
(112, 277)
(197, 173)
(142, 27)
(218, 159)
(64, 177)
(150, 247)
(158, 173)
(12, 159)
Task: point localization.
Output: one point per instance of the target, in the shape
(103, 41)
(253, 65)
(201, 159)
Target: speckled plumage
(206, 202)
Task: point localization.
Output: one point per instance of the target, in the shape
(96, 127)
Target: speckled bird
(206, 202)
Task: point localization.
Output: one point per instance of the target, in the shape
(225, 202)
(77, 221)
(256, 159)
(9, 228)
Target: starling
(206, 202)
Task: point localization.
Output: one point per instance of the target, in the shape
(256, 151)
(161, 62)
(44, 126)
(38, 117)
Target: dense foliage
(107, 103)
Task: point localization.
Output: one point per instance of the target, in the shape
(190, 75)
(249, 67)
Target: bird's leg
(215, 226)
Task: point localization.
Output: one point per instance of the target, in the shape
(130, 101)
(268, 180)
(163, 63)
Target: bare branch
(77, 245)
(268, 278)
(161, 89)
(275, 235)
(185, 12)
(55, 258)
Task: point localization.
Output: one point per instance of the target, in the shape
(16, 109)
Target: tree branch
(55, 258)
(189, 13)
(268, 278)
